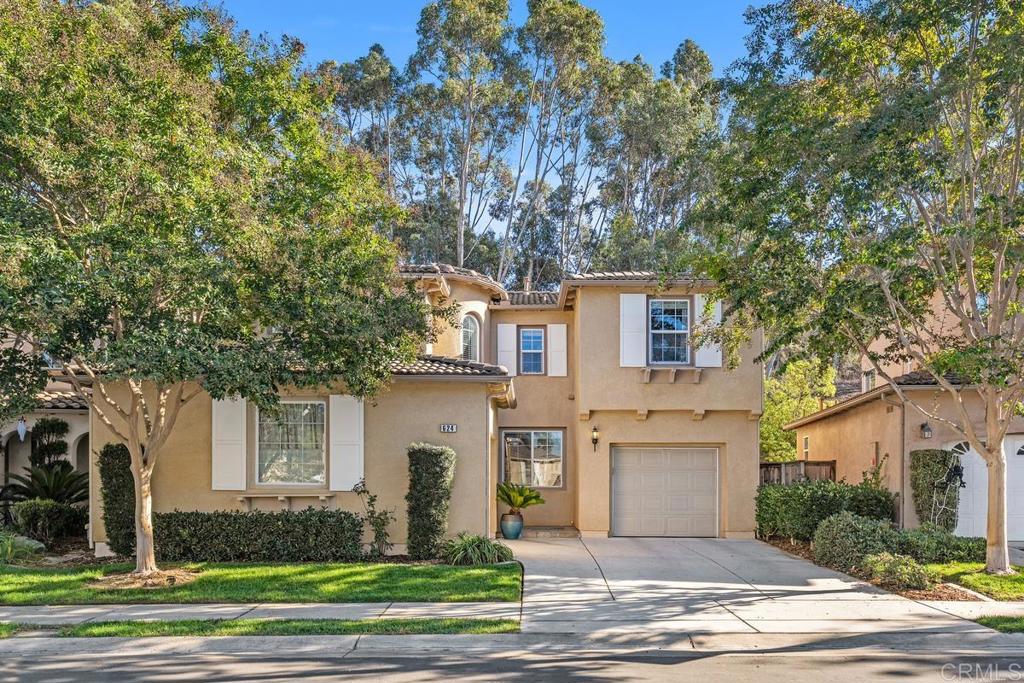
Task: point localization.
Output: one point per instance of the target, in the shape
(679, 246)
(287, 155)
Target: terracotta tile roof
(445, 366)
(61, 400)
(447, 269)
(920, 378)
(532, 298)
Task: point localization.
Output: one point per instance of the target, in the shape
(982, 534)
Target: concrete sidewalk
(67, 615)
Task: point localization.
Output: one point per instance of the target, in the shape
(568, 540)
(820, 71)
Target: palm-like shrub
(58, 481)
(518, 496)
(473, 549)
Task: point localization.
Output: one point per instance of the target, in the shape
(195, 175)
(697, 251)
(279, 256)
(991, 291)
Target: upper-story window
(807, 448)
(669, 326)
(869, 380)
(531, 350)
(470, 338)
(290, 444)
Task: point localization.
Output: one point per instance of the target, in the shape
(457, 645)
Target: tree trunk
(145, 550)
(997, 553)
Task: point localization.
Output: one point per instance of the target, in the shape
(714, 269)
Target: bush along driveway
(268, 583)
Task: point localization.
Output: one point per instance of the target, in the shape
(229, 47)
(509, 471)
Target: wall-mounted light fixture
(926, 430)
(22, 428)
(595, 436)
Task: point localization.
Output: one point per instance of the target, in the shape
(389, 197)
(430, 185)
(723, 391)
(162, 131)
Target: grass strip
(288, 627)
(972, 575)
(340, 582)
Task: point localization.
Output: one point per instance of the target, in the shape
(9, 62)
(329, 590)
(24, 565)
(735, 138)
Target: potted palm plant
(516, 497)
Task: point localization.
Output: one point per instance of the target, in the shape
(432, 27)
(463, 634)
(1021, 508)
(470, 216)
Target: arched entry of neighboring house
(972, 512)
(80, 453)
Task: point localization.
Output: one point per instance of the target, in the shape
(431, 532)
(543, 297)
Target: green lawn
(357, 582)
(288, 627)
(1003, 624)
(972, 575)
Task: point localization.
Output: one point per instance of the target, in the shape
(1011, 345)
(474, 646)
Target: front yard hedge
(117, 492)
(795, 510)
(934, 501)
(844, 540)
(310, 535)
(431, 473)
(47, 521)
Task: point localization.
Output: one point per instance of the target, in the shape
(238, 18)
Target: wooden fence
(798, 470)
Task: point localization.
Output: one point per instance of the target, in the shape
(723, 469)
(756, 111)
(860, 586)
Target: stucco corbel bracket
(645, 375)
(695, 375)
(672, 376)
(641, 415)
(584, 416)
(754, 415)
(698, 415)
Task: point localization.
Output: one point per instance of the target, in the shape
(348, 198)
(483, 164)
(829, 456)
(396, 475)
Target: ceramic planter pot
(511, 526)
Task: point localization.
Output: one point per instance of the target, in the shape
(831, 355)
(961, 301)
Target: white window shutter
(708, 355)
(557, 348)
(632, 330)
(507, 351)
(345, 420)
(228, 455)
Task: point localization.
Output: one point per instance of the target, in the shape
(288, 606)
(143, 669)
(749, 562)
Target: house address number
(449, 428)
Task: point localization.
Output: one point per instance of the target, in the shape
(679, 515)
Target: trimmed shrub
(48, 443)
(931, 543)
(869, 500)
(117, 491)
(47, 520)
(896, 572)
(431, 472)
(57, 481)
(934, 502)
(310, 535)
(843, 540)
(795, 510)
(473, 549)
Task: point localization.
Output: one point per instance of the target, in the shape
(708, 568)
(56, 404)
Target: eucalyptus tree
(179, 216)
(872, 185)
(560, 63)
(460, 105)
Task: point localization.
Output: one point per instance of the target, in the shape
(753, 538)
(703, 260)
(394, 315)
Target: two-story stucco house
(593, 394)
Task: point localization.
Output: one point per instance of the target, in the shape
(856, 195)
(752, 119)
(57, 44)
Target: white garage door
(973, 509)
(664, 491)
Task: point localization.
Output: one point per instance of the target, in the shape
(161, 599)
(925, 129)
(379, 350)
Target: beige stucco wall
(719, 408)
(410, 411)
(849, 437)
(470, 298)
(78, 433)
(545, 403)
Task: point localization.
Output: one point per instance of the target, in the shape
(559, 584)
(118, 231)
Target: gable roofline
(911, 381)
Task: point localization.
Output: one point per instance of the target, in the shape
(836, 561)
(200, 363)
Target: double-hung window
(470, 338)
(531, 351)
(669, 325)
(533, 457)
(290, 444)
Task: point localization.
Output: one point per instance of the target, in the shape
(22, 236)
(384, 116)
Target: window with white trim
(961, 448)
(290, 444)
(470, 338)
(669, 329)
(531, 351)
(533, 457)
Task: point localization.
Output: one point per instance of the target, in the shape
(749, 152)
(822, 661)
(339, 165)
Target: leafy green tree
(179, 216)
(797, 392)
(872, 180)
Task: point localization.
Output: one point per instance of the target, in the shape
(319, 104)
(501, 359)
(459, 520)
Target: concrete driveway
(629, 586)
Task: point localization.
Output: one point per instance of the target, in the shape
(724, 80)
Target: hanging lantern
(22, 428)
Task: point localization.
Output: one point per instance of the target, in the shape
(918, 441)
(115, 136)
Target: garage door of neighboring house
(973, 509)
(664, 491)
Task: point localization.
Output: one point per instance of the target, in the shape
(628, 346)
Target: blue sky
(344, 29)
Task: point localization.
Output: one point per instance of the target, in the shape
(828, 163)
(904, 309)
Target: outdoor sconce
(926, 430)
(595, 436)
(22, 428)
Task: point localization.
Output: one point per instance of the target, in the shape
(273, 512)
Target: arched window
(1020, 451)
(961, 448)
(470, 338)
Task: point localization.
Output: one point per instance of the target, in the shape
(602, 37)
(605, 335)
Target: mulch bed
(164, 578)
(941, 591)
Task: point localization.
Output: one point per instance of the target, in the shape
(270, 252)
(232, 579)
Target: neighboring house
(859, 431)
(57, 401)
(593, 394)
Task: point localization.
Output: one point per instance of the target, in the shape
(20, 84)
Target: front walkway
(611, 587)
